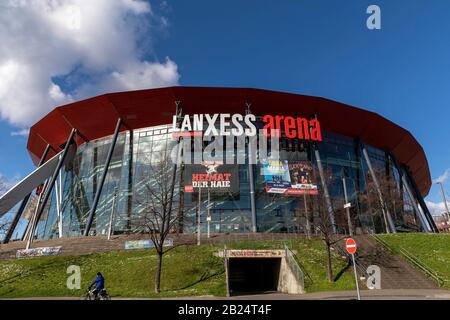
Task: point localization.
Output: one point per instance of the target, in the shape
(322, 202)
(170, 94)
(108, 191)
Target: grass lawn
(187, 271)
(432, 249)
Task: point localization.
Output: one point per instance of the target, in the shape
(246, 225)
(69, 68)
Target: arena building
(96, 159)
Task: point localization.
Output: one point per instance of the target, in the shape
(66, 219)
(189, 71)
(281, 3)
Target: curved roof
(96, 117)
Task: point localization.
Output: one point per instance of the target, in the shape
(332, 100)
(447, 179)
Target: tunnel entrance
(250, 271)
(253, 275)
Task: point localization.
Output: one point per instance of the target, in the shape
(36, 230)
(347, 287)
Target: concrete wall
(288, 282)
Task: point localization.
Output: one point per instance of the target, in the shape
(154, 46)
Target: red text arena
(226, 124)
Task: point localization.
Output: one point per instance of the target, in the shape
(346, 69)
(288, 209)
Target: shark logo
(211, 167)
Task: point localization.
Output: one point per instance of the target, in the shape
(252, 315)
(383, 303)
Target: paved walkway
(385, 294)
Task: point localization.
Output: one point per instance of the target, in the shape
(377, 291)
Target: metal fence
(293, 265)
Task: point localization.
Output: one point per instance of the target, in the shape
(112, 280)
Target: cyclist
(99, 283)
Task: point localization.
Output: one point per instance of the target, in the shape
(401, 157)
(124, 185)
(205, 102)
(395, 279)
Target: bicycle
(102, 295)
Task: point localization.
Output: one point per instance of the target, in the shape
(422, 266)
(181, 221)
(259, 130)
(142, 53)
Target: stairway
(396, 273)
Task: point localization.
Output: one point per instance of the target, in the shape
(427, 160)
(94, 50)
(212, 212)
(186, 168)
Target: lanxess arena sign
(225, 124)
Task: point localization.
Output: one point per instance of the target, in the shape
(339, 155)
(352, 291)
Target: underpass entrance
(257, 275)
(262, 271)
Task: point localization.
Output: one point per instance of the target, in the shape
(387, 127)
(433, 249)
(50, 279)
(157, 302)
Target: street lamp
(445, 200)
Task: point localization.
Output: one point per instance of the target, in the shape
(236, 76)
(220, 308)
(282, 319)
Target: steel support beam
(422, 219)
(49, 188)
(29, 232)
(24, 203)
(178, 113)
(422, 203)
(325, 190)
(58, 188)
(102, 179)
(130, 179)
(390, 226)
(251, 179)
(16, 219)
(252, 192)
(406, 179)
(308, 224)
(43, 177)
(347, 209)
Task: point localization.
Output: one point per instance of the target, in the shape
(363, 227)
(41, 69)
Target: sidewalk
(385, 294)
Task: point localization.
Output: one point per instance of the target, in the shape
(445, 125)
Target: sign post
(350, 246)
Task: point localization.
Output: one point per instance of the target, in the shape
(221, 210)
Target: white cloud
(21, 132)
(436, 208)
(443, 177)
(94, 46)
(7, 183)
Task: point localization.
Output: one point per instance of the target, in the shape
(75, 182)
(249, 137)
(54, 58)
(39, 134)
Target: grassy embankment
(187, 271)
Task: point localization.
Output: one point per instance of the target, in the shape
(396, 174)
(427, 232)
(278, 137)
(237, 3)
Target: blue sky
(312, 47)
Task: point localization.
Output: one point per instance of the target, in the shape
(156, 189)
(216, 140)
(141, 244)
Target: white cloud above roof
(436, 208)
(94, 46)
(443, 177)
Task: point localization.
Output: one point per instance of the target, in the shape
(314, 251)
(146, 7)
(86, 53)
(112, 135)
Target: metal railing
(416, 262)
(292, 264)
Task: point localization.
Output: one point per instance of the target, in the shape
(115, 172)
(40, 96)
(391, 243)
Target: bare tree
(323, 222)
(158, 206)
(324, 227)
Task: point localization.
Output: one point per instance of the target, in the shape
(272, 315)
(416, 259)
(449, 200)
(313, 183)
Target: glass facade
(138, 151)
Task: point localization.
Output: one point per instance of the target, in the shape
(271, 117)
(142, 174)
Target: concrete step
(396, 273)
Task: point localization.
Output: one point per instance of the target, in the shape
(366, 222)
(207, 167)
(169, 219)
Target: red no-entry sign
(350, 245)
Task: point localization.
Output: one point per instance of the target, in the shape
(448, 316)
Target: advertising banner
(301, 173)
(37, 252)
(214, 177)
(276, 176)
(145, 244)
(291, 178)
